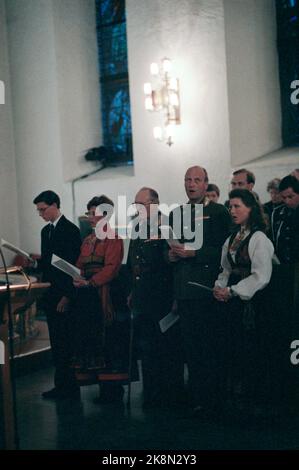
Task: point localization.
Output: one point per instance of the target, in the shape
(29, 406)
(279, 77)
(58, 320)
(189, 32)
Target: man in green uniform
(202, 331)
(151, 299)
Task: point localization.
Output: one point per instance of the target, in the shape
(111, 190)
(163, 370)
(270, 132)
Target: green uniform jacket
(204, 267)
(152, 282)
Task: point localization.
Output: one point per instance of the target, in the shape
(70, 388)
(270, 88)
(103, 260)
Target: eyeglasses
(42, 210)
(138, 204)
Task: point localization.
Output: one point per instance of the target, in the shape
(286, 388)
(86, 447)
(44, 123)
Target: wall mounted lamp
(163, 95)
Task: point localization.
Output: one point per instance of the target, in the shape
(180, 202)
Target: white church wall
(191, 33)
(52, 105)
(9, 226)
(226, 60)
(77, 83)
(253, 80)
(35, 110)
(56, 104)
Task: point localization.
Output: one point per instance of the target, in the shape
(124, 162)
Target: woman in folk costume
(247, 267)
(100, 260)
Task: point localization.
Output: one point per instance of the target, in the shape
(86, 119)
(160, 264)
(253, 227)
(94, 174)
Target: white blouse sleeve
(224, 276)
(260, 251)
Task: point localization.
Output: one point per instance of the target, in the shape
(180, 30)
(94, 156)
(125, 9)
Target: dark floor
(71, 425)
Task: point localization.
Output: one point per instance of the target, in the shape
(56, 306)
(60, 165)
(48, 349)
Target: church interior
(78, 116)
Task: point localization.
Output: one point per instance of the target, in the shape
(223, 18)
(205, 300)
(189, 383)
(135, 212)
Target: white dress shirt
(260, 250)
(56, 221)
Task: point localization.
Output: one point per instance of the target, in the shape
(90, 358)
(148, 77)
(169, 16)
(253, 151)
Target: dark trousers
(248, 364)
(258, 350)
(93, 339)
(204, 330)
(162, 361)
(244, 361)
(60, 332)
(88, 326)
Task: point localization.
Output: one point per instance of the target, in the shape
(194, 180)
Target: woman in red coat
(100, 260)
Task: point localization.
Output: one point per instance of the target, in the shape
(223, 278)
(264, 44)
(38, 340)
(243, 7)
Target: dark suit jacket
(205, 265)
(65, 243)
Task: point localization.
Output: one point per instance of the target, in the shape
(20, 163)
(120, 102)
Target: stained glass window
(114, 79)
(288, 51)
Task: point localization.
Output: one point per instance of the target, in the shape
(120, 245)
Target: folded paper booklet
(15, 249)
(201, 286)
(166, 322)
(168, 235)
(66, 267)
(275, 260)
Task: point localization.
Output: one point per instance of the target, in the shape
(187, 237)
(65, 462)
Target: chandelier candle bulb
(173, 84)
(147, 87)
(174, 99)
(166, 64)
(154, 68)
(163, 96)
(157, 131)
(149, 103)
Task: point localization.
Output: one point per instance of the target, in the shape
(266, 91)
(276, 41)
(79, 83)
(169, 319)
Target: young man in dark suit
(62, 238)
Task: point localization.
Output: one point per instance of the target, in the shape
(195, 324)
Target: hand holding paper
(168, 235)
(80, 283)
(201, 286)
(67, 268)
(182, 250)
(166, 322)
(15, 249)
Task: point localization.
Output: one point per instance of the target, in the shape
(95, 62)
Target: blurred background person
(213, 192)
(295, 173)
(285, 222)
(242, 179)
(276, 199)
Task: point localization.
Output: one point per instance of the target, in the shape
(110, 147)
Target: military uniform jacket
(151, 274)
(205, 265)
(285, 234)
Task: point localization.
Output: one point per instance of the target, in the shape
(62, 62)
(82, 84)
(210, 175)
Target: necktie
(51, 231)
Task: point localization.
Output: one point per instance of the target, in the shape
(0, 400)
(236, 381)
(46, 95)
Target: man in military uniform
(151, 299)
(285, 222)
(202, 330)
